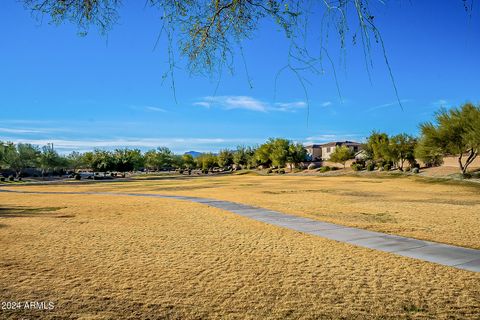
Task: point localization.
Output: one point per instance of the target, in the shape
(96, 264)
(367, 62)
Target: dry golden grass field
(110, 257)
(409, 206)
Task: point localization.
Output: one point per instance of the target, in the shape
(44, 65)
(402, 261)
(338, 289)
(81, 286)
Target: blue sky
(86, 92)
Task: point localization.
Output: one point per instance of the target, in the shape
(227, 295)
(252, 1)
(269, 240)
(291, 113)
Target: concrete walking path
(448, 255)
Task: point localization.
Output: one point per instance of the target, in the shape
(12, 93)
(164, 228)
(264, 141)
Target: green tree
(102, 161)
(207, 161)
(151, 162)
(240, 156)
(225, 158)
(341, 155)
(127, 159)
(188, 161)
(2, 153)
(160, 159)
(455, 132)
(402, 148)
(87, 160)
(49, 159)
(296, 153)
(164, 158)
(378, 146)
(279, 151)
(177, 161)
(21, 156)
(251, 159)
(431, 156)
(75, 160)
(263, 154)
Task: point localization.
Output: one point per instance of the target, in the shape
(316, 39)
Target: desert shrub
(467, 175)
(407, 169)
(312, 166)
(361, 162)
(334, 168)
(11, 178)
(370, 165)
(78, 177)
(281, 171)
(325, 169)
(387, 167)
(356, 166)
(270, 170)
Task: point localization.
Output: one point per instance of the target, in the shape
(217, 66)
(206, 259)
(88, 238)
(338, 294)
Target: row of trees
(393, 150)
(18, 157)
(381, 149)
(24, 155)
(275, 152)
(455, 132)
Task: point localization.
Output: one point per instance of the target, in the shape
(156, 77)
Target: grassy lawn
(409, 206)
(103, 257)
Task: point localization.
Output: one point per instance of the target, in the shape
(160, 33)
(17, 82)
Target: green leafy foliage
(455, 132)
(207, 161)
(277, 152)
(188, 161)
(102, 161)
(225, 158)
(341, 155)
(161, 158)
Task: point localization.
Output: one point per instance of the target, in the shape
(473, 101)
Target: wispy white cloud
(444, 103)
(148, 108)
(289, 106)
(155, 109)
(30, 131)
(248, 103)
(322, 138)
(326, 104)
(202, 104)
(20, 131)
(24, 122)
(389, 104)
(233, 102)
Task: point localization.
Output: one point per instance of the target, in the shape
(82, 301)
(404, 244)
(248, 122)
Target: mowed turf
(108, 257)
(408, 206)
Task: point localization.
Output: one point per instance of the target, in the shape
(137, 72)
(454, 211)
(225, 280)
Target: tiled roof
(333, 144)
(340, 143)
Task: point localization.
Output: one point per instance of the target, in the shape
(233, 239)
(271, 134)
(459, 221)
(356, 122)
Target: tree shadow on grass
(23, 212)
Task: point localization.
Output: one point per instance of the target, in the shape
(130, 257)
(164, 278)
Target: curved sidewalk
(448, 255)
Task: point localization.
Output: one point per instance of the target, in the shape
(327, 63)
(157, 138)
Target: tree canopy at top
(209, 32)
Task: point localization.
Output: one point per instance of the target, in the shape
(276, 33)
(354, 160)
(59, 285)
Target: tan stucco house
(317, 152)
